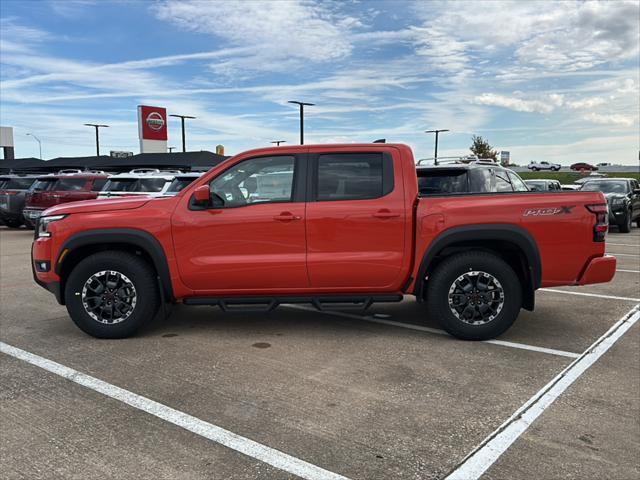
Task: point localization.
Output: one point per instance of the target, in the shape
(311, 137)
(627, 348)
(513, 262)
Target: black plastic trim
(139, 238)
(472, 233)
(272, 302)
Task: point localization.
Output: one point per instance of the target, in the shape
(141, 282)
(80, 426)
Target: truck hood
(90, 206)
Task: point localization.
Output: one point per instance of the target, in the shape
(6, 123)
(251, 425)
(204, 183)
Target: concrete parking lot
(297, 392)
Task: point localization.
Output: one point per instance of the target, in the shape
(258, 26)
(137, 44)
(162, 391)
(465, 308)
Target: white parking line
(627, 271)
(623, 245)
(411, 326)
(486, 454)
(214, 433)
(623, 254)
(594, 295)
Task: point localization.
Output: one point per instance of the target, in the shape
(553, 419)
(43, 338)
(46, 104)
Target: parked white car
(140, 181)
(535, 166)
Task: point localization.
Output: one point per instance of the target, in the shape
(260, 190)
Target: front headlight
(43, 224)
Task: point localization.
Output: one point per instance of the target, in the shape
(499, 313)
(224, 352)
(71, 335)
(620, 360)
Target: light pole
(435, 157)
(182, 117)
(171, 149)
(97, 127)
(302, 104)
(278, 142)
(39, 143)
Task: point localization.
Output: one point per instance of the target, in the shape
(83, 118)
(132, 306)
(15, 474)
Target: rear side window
(480, 180)
(18, 183)
(435, 182)
(354, 176)
(150, 184)
(98, 184)
(518, 184)
(70, 184)
(503, 184)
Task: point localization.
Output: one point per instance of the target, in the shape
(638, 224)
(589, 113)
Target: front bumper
(616, 214)
(599, 270)
(49, 280)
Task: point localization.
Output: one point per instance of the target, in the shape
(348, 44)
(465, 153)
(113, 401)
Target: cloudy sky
(547, 81)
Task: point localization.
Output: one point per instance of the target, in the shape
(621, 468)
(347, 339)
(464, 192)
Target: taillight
(600, 228)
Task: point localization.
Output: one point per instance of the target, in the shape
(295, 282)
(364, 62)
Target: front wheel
(474, 295)
(112, 294)
(625, 225)
(13, 223)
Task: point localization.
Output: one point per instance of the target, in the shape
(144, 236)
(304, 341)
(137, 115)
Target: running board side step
(268, 304)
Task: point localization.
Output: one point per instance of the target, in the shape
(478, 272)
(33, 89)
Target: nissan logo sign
(155, 121)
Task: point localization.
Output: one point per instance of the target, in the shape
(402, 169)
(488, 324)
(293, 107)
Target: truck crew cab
(319, 224)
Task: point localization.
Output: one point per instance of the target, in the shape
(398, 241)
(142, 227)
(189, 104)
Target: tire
(535, 169)
(133, 306)
(625, 225)
(556, 169)
(447, 277)
(13, 223)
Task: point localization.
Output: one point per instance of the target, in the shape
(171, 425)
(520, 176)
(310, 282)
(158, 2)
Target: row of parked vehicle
(622, 194)
(23, 198)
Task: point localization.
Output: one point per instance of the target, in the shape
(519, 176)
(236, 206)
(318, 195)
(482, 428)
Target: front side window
(180, 184)
(503, 184)
(257, 180)
(70, 184)
(43, 185)
(353, 176)
(18, 184)
(518, 184)
(120, 185)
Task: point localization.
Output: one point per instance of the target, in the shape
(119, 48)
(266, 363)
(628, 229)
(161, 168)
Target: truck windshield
(69, 184)
(605, 187)
(437, 182)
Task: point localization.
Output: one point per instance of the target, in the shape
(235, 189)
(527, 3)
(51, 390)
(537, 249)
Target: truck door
(356, 220)
(255, 240)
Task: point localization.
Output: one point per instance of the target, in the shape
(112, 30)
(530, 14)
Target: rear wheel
(625, 225)
(474, 295)
(112, 294)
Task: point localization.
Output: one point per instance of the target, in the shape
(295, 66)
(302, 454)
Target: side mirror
(202, 195)
(636, 191)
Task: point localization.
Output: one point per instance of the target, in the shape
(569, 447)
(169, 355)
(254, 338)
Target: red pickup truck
(322, 224)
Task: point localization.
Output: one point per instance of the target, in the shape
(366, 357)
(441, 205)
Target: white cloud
(274, 31)
(610, 119)
(520, 104)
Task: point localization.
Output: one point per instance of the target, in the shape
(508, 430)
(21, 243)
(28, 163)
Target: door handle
(385, 213)
(286, 217)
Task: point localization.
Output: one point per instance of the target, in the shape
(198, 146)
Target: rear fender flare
(471, 234)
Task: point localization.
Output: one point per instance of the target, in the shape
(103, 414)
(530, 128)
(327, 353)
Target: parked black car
(544, 185)
(623, 197)
(13, 191)
(467, 177)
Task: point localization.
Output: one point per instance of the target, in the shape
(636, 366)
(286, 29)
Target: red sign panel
(152, 122)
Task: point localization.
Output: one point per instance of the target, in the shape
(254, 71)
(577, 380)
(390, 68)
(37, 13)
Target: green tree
(481, 148)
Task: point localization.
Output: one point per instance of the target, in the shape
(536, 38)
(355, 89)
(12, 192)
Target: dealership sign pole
(152, 129)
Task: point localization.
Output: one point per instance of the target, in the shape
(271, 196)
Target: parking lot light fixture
(182, 117)
(39, 143)
(302, 105)
(97, 126)
(435, 156)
